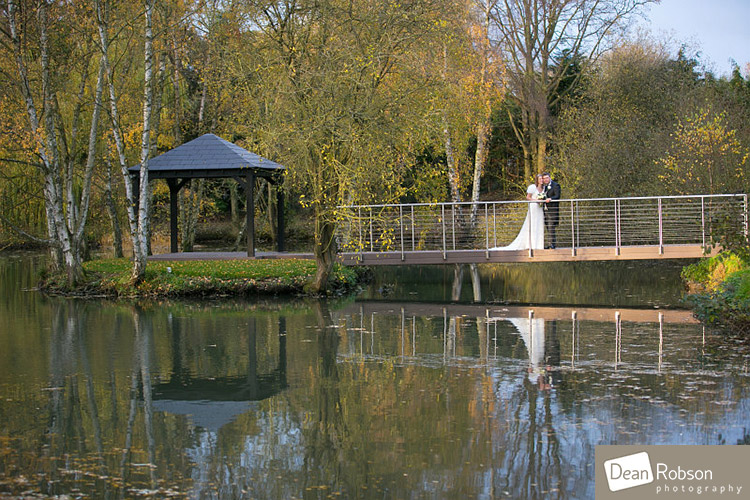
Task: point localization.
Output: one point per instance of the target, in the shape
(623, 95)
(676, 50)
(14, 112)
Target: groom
(551, 207)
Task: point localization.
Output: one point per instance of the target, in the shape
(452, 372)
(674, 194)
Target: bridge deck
(507, 256)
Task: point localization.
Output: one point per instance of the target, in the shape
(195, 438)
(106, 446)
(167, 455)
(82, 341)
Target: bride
(531, 234)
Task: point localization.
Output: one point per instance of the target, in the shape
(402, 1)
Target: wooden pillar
(250, 193)
(174, 191)
(279, 219)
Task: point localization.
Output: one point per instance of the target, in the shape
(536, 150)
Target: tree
(137, 206)
(329, 97)
(532, 34)
(705, 156)
(609, 136)
(57, 38)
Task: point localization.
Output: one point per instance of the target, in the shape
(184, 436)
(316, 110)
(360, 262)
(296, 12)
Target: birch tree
(137, 207)
(67, 183)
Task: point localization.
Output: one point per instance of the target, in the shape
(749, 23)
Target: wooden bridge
(663, 227)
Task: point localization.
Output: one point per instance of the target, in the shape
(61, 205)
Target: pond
(499, 387)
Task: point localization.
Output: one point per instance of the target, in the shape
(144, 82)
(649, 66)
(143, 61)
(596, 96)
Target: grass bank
(111, 277)
(719, 290)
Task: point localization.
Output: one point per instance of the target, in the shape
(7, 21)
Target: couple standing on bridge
(544, 209)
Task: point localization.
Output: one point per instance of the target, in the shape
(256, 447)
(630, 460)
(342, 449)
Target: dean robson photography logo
(642, 472)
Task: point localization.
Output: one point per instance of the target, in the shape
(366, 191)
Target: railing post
(578, 225)
(572, 228)
(442, 219)
(487, 230)
(372, 243)
(746, 220)
(401, 228)
(453, 225)
(703, 222)
(413, 246)
(494, 222)
(661, 230)
(528, 211)
(359, 225)
(617, 227)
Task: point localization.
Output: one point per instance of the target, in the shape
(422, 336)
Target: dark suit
(552, 192)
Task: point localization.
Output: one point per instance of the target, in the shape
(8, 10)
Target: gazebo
(211, 157)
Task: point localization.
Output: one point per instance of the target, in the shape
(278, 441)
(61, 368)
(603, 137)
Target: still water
(499, 385)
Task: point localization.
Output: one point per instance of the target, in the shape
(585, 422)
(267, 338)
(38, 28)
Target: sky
(718, 29)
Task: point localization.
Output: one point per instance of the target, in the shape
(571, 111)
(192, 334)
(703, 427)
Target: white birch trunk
(140, 253)
(66, 215)
(116, 130)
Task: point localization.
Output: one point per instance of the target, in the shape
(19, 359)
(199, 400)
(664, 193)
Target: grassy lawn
(201, 278)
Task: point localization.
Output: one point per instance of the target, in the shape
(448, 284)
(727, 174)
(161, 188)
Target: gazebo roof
(209, 156)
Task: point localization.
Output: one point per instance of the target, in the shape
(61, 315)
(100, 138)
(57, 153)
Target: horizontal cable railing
(592, 222)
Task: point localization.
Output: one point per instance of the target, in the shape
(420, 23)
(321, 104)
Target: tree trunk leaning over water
(325, 252)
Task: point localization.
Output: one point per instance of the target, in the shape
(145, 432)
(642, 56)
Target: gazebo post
(174, 190)
(279, 219)
(250, 193)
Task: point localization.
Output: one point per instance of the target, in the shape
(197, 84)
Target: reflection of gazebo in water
(212, 402)
(211, 157)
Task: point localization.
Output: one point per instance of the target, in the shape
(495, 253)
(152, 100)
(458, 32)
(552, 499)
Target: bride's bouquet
(541, 196)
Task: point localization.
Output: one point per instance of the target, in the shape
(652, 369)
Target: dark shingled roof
(208, 156)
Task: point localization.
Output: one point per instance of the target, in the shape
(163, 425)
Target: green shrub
(708, 274)
(723, 291)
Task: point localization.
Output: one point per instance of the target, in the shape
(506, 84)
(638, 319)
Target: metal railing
(591, 222)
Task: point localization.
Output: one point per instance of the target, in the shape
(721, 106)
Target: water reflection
(606, 284)
(362, 399)
(213, 401)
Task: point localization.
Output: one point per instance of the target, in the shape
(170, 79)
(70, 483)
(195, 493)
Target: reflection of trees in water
(326, 434)
(75, 433)
(400, 424)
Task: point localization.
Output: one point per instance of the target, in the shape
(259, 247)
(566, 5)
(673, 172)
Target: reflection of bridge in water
(421, 327)
(667, 227)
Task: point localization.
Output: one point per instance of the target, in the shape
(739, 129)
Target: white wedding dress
(531, 234)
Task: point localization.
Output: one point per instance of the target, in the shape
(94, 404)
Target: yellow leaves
(705, 156)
